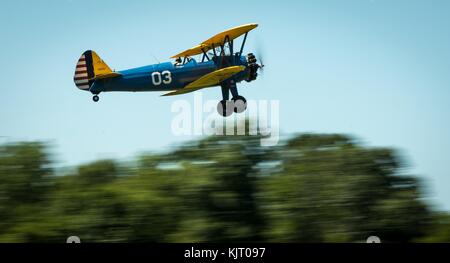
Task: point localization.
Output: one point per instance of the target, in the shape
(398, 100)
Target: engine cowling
(252, 66)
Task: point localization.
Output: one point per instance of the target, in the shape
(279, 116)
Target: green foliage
(439, 231)
(331, 190)
(310, 188)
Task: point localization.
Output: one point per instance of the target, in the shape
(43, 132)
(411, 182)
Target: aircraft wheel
(240, 104)
(225, 108)
(95, 98)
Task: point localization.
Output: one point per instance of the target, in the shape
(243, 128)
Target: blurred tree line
(310, 188)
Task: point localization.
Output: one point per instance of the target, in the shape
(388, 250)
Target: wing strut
(243, 43)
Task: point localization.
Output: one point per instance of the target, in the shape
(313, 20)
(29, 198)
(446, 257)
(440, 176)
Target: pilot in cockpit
(177, 62)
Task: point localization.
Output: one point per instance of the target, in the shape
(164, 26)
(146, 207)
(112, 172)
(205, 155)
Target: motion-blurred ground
(311, 188)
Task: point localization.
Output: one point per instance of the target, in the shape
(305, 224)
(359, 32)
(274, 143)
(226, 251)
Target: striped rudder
(84, 72)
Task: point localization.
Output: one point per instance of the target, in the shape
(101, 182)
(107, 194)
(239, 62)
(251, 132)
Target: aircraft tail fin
(89, 68)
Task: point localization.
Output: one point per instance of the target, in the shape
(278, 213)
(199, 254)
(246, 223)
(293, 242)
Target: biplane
(220, 65)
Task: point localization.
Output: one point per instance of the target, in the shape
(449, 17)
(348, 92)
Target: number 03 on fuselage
(220, 65)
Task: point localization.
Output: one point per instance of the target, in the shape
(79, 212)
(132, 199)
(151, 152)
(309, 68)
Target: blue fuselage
(166, 76)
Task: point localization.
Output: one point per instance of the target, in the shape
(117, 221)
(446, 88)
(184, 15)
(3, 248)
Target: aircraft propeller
(260, 56)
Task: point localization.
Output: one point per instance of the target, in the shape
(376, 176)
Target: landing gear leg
(225, 106)
(95, 98)
(240, 103)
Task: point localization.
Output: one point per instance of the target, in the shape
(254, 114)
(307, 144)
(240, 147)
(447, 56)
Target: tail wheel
(225, 108)
(240, 104)
(95, 98)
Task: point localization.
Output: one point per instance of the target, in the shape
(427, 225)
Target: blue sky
(376, 69)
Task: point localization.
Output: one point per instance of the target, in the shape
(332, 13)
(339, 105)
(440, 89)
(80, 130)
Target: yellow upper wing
(216, 40)
(208, 80)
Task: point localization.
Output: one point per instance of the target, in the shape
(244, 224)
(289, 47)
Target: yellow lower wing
(212, 79)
